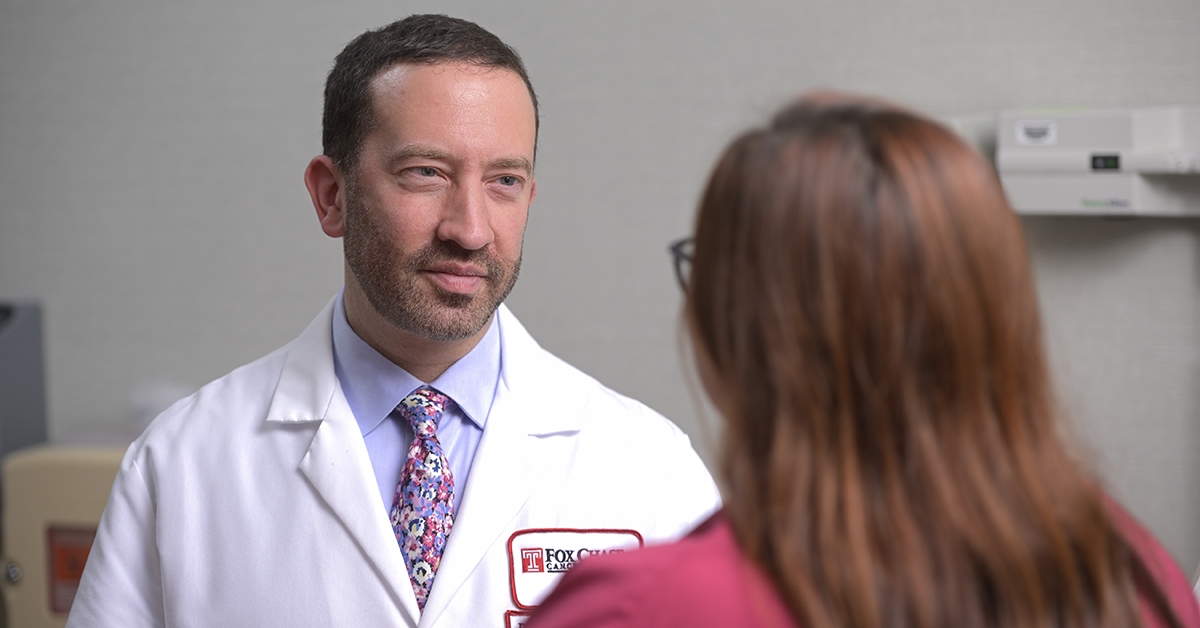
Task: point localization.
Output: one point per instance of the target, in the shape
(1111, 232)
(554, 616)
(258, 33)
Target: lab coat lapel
(336, 463)
(521, 449)
(334, 466)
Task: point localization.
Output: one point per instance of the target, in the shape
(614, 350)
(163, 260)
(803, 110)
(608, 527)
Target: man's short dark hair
(427, 39)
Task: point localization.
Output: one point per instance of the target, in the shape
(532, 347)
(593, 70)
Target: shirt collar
(374, 385)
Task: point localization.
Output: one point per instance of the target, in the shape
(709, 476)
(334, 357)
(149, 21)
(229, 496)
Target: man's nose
(466, 219)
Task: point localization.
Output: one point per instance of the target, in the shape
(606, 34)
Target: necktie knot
(423, 409)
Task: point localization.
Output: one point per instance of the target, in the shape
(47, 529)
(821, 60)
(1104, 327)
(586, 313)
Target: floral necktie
(423, 509)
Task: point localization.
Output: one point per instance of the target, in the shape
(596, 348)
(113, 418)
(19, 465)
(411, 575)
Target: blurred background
(151, 198)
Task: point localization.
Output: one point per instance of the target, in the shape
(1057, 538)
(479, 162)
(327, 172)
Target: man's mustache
(438, 252)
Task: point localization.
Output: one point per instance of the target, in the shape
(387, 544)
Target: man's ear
(326, 186)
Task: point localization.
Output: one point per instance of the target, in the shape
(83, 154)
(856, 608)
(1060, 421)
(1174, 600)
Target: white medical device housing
(1121, 162)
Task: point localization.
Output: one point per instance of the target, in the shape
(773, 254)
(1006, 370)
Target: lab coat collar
(536, 375)
(307, 384)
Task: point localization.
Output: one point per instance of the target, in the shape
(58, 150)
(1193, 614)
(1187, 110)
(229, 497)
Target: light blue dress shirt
(374, 387)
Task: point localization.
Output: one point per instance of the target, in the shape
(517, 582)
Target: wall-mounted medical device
(1121, 162)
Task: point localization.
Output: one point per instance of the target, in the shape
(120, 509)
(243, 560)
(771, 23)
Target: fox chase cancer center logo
(558, 560)
(539, 557)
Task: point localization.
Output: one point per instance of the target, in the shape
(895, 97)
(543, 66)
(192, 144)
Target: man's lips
(459, 278)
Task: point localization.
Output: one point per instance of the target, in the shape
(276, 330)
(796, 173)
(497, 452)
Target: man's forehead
(446, 93)
(389, 82)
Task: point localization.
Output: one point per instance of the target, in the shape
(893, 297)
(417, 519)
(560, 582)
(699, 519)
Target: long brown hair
(862, 301)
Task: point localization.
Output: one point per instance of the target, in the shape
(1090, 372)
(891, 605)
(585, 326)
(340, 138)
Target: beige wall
(151, 157)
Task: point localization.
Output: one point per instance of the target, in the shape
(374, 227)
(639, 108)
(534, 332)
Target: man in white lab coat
(266, 498)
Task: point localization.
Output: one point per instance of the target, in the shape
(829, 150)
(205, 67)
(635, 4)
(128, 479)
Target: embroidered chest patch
(538, 557)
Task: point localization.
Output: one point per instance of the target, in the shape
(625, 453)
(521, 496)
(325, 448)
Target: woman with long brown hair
(863, 317)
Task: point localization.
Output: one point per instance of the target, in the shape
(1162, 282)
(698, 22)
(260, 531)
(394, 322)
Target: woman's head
(862, 307)
(856, 265)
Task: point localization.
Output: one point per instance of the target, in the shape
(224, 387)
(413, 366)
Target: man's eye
(508, 180)
(426, 171)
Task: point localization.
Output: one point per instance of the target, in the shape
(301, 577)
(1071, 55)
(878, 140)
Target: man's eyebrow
(516, 163)
(417, 151)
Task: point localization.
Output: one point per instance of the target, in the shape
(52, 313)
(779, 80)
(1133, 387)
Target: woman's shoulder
(704, 579)
(1165, 571)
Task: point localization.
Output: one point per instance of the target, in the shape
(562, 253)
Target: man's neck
(425, 359)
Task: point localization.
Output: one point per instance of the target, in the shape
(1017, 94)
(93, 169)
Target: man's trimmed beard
(390, 279)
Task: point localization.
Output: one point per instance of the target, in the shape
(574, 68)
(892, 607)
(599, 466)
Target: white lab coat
(253, 502)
